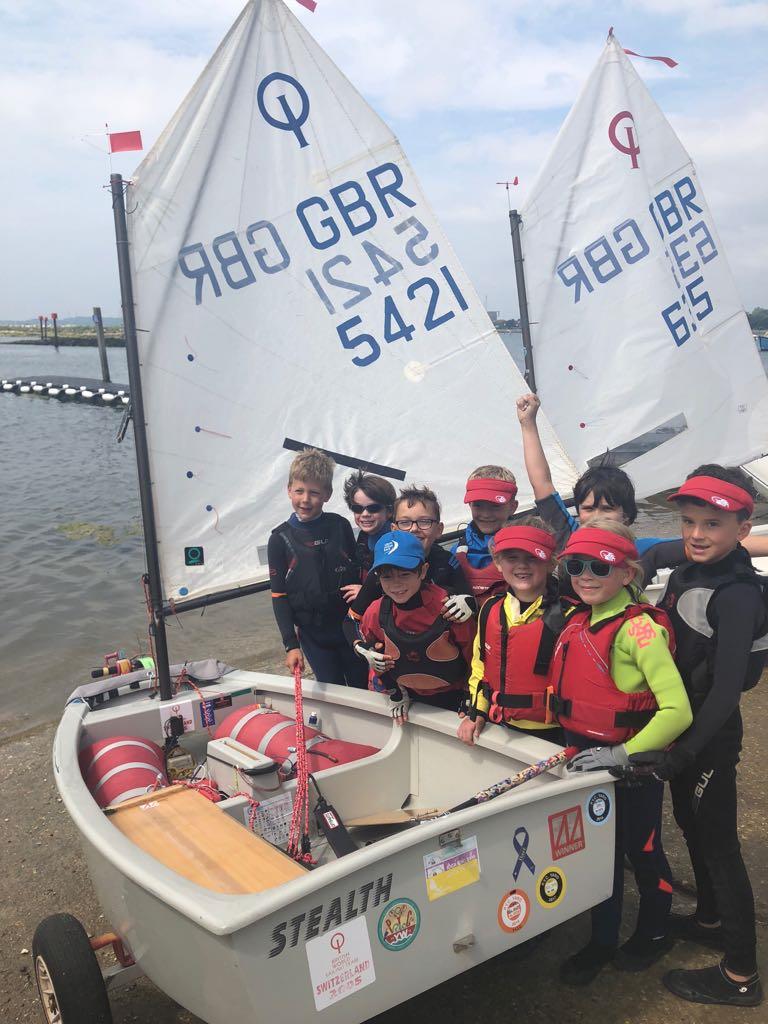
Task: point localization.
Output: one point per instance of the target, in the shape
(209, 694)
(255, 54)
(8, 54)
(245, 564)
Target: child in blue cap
(406, 641)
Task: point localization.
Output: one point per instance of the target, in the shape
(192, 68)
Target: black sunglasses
(576, 566)
(359, 509)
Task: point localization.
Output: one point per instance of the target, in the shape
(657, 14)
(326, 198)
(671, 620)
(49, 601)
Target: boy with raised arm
(601, 490)
(311, 555)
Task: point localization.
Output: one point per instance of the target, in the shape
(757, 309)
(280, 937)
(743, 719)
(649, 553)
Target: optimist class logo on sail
(390, 291)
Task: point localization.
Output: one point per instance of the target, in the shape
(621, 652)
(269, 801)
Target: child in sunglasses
(516, 636)
(410, 647)
(617, 692)
(371, 500)
(491, 495)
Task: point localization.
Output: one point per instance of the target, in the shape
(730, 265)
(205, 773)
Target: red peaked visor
(525, 538)
(717, 493)
(601, 544)
(488, 489)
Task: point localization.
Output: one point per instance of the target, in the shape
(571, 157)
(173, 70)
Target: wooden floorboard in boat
(190, 835)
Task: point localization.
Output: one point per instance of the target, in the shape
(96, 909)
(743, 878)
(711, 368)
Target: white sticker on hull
(340, 963)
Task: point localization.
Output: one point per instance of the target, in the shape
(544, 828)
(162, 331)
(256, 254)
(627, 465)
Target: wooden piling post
(102, 343)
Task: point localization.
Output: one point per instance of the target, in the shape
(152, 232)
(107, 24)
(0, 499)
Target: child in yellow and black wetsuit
(618, 692)
(516, 637)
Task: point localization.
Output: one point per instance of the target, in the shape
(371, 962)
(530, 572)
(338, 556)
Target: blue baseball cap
(400, 549)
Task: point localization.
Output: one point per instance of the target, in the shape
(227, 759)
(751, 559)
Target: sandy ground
(43, 873)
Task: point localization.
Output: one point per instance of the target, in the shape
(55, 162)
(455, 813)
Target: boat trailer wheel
(68, 975)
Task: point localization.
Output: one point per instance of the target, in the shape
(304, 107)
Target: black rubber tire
(74, 984)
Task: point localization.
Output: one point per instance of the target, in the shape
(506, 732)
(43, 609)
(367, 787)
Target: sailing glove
(459, 608)
(661, 764)
(595, 759)
(376, 659)
(399, 702)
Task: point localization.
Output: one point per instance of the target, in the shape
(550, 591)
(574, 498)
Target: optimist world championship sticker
(399, 924)
(513, 911)
(598, 807)
(551, 887)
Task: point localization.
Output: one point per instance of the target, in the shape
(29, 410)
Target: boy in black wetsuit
(717, 608)
(311, 556)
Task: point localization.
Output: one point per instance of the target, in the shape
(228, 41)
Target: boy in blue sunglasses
(617, 692)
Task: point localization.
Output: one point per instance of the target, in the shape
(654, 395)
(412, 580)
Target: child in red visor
(617, 692)
(717, 605)
(516, 637)
(491, 496)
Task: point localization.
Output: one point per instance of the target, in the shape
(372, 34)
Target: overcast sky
(475, 90)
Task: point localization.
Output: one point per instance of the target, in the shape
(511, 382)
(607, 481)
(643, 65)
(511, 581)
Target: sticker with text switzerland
(451, 868)
(181, 708)
(566, 832)
(399, 924)
(513, 911)
(340, 963)
(550, 888)
(598, 807)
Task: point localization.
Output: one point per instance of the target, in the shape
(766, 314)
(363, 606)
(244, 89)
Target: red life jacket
(428, 662)
(483, 583)
(516, 662)
(585, 699)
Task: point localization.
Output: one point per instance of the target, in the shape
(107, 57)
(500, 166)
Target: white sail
(640, 342)
(293, 286)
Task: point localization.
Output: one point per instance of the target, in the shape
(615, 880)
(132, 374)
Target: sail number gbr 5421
(401, 303)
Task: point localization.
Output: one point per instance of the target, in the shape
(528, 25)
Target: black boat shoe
(713, 986)
(687, 927)
(639, 953)
(583, 967)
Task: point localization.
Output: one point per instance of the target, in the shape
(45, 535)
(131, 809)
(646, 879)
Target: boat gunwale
(225, 914)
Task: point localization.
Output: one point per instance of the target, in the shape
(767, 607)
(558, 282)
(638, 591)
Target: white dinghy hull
(331, 939)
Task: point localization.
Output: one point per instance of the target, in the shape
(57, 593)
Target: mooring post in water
(157, 625)
(102, 343)
(55, 321)
(40, 319)
(515, 220)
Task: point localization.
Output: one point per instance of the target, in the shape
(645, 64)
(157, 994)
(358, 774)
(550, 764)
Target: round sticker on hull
(551, 887)
(513, 911)
(399, 924)
(598, 807)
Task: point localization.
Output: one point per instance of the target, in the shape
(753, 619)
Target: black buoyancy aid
(585, 698)
(688, 598)
(315, 572)
(516, 660)
(483, 583)
(428, 662)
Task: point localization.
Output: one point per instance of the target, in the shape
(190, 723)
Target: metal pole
(525, 325)
(102, 343)
(157, 626)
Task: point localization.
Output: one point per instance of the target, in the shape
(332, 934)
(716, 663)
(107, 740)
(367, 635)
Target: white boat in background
(641, 348)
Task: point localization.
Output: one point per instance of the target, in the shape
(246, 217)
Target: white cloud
(490, 80)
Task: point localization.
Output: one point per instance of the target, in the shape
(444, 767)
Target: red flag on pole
(309, 4)
(124, 142)
(664, 60)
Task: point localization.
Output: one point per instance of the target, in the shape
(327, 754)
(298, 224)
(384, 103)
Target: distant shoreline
(78, 341)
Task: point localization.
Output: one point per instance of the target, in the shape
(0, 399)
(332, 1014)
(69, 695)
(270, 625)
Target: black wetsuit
(308, 563)
(715, 671)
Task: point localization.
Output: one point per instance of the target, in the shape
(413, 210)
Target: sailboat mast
(157, 624)
(515, 221)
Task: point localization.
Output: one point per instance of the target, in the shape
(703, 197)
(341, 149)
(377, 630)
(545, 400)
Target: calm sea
(72, 552)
